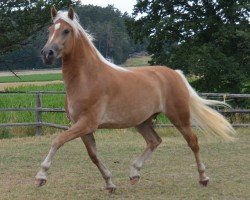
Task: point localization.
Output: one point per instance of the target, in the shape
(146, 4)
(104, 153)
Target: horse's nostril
(51, 53)
(42, 51)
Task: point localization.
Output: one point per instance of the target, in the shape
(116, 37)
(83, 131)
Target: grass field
(170, 173)
(31, 78)
(137, 61)
(28, 100)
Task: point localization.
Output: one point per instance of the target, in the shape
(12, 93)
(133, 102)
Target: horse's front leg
(78, 129)
(90, 144)
(67, 107)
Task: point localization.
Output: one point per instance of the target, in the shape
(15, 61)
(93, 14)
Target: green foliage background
(209, 39)
(19, 21)
(21, 42)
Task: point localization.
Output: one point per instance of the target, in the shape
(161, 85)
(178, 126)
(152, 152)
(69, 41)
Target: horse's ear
(71, 13)
(53, 12)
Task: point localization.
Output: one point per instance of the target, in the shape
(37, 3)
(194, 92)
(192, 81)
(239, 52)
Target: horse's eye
(66, 31)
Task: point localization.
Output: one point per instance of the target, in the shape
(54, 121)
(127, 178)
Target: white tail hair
(207, 119)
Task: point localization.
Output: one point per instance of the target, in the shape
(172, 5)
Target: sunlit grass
(170, 173)
(31, 78)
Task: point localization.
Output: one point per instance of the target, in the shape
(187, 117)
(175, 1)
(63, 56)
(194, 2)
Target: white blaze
(57, 26)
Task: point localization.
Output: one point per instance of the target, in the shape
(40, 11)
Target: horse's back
(174, 93)
(138, 93)
(166, 78)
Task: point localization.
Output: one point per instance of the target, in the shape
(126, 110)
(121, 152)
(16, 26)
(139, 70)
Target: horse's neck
(81, 65)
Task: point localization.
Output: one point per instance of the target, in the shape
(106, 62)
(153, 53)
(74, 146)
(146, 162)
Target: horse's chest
(73, 111)
(77, 107)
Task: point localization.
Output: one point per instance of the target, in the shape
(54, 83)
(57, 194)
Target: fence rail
(225, 95)
(38, 110)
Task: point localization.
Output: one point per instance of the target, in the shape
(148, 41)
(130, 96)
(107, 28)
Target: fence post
(38, 114)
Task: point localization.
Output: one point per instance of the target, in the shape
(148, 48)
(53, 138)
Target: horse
(101, 95)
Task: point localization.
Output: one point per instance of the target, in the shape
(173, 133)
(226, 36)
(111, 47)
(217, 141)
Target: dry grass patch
(170, 173)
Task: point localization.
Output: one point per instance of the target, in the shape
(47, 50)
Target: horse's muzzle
(49, 55)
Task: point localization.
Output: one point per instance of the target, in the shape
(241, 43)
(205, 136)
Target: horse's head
(60, 39)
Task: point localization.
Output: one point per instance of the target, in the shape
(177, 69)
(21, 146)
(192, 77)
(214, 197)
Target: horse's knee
(159, 140)
(56, 144)
(155, 143)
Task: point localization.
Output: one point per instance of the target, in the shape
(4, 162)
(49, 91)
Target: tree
(107, 25)
(207, 38)
(109, 30)
(20, 20)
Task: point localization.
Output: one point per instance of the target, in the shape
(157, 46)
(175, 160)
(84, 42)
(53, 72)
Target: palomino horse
(103, 95)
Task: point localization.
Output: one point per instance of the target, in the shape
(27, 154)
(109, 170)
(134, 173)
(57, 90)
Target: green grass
(31, 78)
(28, 100)
(170, 173)
(137, 61)
(49, 87)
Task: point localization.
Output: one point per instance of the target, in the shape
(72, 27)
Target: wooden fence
(38, 110)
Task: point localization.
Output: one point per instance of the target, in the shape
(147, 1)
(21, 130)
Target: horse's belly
(114, 126)
(125, 123)
(125, 116)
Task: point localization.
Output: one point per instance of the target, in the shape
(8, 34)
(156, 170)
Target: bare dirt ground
(30, 72)
(3, 86)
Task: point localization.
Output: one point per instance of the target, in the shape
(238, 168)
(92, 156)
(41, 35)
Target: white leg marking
(106, 175)
(201, 168)
(137, 164)
(46, 164)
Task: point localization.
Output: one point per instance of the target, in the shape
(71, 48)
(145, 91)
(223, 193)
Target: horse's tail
(206, 118)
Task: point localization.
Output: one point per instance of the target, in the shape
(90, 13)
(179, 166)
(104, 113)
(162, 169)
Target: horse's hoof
(204, 182)
(40, 182)
(110, 190)
(134, 180)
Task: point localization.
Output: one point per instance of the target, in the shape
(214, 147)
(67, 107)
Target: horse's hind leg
(90, 144)
(153, 140)
(192, 141)
(180, 117)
